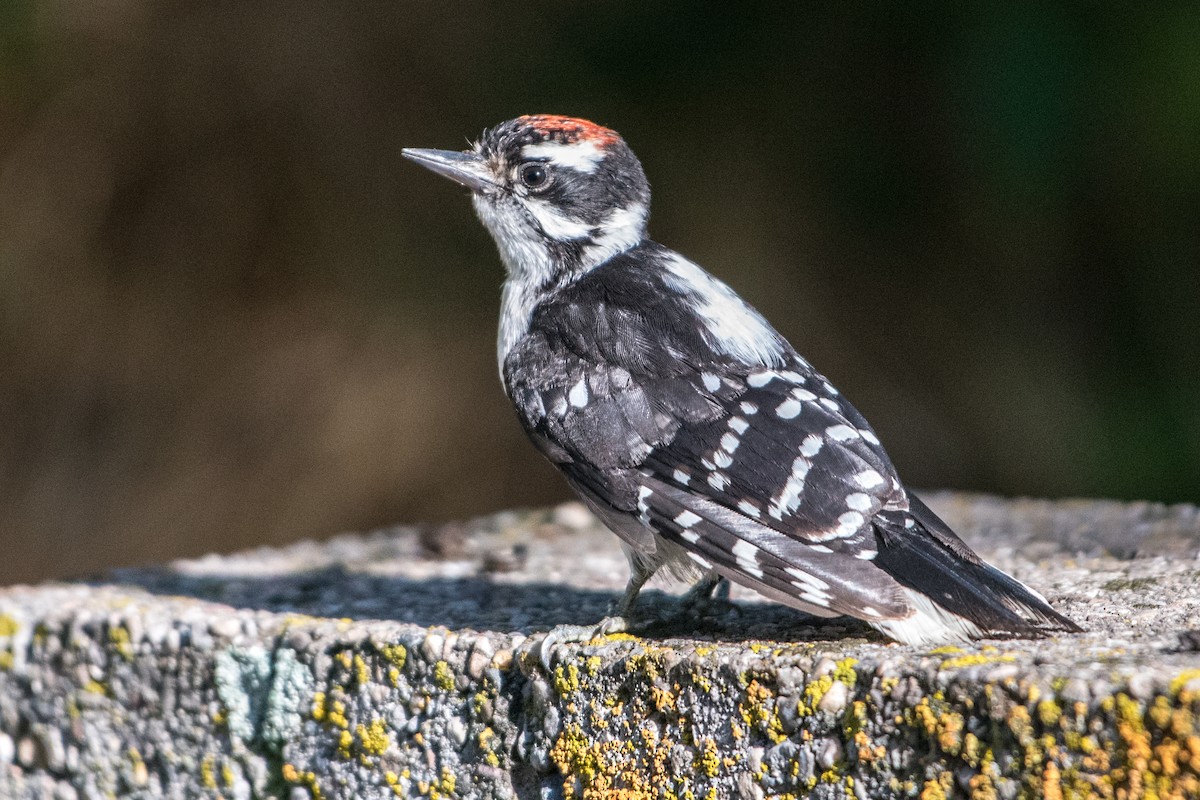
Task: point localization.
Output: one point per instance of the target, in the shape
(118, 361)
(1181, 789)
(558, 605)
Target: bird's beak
(465, 168)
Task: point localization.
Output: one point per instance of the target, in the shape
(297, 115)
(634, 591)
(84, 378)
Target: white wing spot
(701, 560)
(788, 409)
(791, 377)
(748, 508)
(869, 435)
(718, 481)
(830, 389)
(803, 395)
(690, 536)
(747, 557)
(644, 494)
(819, 548)
(749, 409)
(841, 433)
(789, 497)
(711, 382)
(816, 600)
(858, 501)
(812, 581)
(687, 519)
(909, 522)
(866, 555)
(831, 405)
(868, 479)
(722, 459)
(849, 522)
(739, 425)
(681, 477)
(760, 379)
(811, 445)
(730, 442)
(579, 394)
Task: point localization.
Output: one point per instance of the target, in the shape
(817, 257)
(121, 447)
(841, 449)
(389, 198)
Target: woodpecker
(686, 423)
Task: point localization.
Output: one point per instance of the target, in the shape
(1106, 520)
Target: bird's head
(559, 195)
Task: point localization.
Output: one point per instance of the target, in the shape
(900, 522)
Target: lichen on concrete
(372, 666)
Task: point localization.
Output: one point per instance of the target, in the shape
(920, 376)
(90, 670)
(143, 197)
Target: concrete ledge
(391, 665)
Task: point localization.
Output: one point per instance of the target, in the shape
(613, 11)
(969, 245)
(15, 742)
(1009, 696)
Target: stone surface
(397, 664)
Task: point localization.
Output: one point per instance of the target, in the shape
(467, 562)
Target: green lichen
(1129, 584)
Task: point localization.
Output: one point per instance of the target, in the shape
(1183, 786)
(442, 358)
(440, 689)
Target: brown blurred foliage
(230, 314)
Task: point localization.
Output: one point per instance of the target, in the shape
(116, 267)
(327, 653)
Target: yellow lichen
(708, 761)
(1183, 679)
(118, 637)
(443, 676)
(362, 673)
(566, 679)
(663, 699)
(307, 778)
(374, 739)
(318, 706)
(486, 736)
(8, 625)
(393, 782)
(396, 654)
(844, 671)
(208, 775)
(1049, 713)
(975, 659)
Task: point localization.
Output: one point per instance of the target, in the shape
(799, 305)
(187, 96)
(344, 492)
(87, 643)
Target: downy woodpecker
(686, 422)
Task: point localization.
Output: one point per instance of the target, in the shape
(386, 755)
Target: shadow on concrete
(483, 603)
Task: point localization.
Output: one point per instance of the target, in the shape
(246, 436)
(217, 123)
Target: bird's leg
(700, 595)
(639, 573)
(617, 621)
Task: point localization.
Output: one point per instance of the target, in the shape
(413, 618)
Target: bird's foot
(543, 648)
(709, 598)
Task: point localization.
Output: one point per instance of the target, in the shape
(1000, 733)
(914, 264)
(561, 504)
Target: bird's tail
(955, 593)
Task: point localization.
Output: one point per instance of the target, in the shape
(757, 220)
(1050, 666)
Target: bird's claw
(543, 648)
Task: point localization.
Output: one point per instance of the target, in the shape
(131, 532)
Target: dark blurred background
(231, 314)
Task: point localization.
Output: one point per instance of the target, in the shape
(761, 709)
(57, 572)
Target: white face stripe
(621, 230)
(736, 329)
(556, 224)
(584, 155)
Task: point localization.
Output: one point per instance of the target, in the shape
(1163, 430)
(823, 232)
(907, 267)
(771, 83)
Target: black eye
(534, 175)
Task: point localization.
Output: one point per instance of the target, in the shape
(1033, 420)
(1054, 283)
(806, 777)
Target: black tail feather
(930, 559)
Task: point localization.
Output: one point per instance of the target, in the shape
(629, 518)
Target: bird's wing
(719, 438)
(748, 488)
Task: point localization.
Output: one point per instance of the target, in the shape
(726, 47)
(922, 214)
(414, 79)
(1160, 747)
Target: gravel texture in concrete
(401, 663)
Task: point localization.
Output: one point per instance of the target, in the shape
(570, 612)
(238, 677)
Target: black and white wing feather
(677, 412)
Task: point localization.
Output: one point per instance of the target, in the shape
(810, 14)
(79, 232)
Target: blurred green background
(231, 314)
